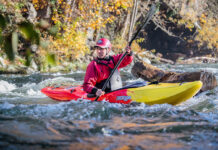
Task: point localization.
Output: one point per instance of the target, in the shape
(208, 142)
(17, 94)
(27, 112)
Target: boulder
(151, 73)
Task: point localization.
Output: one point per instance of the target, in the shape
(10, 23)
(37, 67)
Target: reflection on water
(30, 120)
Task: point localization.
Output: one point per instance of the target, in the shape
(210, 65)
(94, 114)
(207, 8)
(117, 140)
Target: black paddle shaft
(147, 19)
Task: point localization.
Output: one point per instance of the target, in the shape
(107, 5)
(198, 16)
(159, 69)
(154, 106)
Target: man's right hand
(100, 92)
(128, 49)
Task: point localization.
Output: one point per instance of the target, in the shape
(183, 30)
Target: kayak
(170, 93)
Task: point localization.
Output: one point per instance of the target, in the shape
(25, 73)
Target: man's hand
(100, 92)
(128, 49)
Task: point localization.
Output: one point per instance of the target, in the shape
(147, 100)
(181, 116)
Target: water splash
(6, 86)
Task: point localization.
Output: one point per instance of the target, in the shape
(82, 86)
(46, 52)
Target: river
(30, 120)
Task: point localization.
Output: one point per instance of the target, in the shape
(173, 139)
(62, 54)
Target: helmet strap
(107, 52)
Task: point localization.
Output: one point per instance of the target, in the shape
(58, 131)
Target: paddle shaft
(148, 18)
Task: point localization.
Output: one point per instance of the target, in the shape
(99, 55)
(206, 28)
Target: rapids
(30, 120)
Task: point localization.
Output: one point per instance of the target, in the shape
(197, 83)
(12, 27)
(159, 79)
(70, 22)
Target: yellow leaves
(203, 16)
(122, 4)
(94, 14)
(181, 21)
(118, 12)
(190, 26)
(153, 51)
(24, 10)
(136, 47)
(117, 4)
(189, 15)
(60, 1)
(119, 44)
(93, 2)
(39, 4)
(208, 32)
(140, 40)
(71, 45)
(202, 19)
(190, 41)
(110, 19)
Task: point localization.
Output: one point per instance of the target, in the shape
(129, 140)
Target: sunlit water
(30, 120)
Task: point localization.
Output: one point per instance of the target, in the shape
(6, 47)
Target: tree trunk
(133, 19)
(125, 25)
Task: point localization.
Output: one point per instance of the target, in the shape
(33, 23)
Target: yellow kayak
(171, 93)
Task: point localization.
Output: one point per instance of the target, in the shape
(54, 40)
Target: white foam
(57, 80)
(204, 96)
(78, 71)
(134, 80)
(6, 87)
(212, 70)
(34, 93)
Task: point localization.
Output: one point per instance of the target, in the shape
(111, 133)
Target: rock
(149, 57)
(146, 60)
(175, 56)
(2, 62)
(33, 65)
(58, 68)
(147, 71)
(159, 55)
(207, 78)
(151, 73)
(32, 12)
(12, 69)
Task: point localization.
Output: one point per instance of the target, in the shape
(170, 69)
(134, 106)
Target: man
(100, 68)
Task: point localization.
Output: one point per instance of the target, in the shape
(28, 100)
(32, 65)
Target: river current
(30, 120)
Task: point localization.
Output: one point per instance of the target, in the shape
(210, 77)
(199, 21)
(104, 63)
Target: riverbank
(19, 67)
(52, 36)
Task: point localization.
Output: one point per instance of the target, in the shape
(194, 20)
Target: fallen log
(151, 73)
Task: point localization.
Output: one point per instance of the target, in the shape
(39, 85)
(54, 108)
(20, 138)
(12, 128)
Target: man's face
(101, 52)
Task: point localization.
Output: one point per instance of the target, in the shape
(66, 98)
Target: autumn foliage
(65, 34)
(74, 21)
(205, 24)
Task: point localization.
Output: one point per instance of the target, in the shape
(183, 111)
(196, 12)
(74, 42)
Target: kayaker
(100, 68)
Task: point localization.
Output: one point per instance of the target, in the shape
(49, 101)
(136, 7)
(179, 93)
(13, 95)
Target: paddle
(147, 19)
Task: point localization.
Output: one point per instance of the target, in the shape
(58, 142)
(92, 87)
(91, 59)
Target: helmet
(103, 43)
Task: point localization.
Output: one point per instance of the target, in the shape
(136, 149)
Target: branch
(155, 21)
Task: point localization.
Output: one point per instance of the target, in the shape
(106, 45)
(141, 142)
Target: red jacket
(97, 72)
